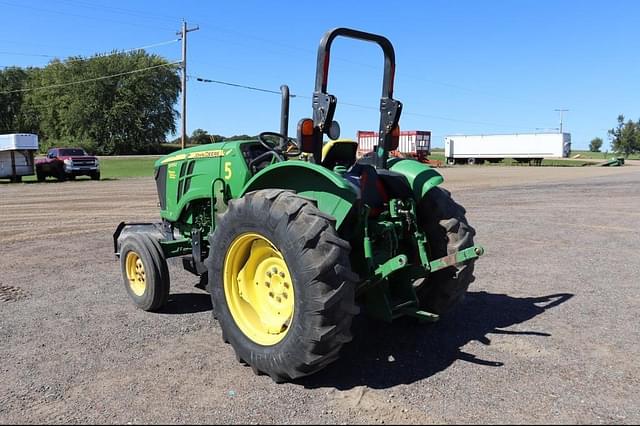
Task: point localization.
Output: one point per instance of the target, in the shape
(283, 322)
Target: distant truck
(67, 163)
(413, 143)
(523, 147)
(16, 155)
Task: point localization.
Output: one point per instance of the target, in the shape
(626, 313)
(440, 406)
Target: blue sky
(462, 66)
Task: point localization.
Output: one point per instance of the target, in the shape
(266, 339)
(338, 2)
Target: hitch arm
(456, 258)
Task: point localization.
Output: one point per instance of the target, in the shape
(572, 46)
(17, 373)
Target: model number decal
(227, 170)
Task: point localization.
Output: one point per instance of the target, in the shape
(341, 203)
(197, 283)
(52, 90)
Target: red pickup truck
(67, 163)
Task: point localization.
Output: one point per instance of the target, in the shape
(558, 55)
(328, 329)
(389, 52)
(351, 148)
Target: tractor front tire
(281, 284)
(447, 231)
(144, 271)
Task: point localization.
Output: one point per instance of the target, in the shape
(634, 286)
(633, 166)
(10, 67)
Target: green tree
(595, 145)
(200, 136)
(130, 113)
(240, 137)
(217, 138)
(178, 140)
(12, 117)
(625, 138)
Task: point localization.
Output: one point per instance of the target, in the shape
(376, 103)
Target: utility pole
(183, 35)
(561, 111)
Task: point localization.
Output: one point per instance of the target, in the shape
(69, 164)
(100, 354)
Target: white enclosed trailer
(16, 155)
(523, 147)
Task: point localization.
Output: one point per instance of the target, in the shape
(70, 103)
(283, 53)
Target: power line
(141, 14)
(417, 114)
(351, 104)
(242, 86)
(399, 72)
(150, 46)
(90, 79)
(120, 10)
(138, 14)
(97, 55)
(79, 16)
(25, 54)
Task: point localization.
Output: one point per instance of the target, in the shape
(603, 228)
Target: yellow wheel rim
(135, 273)
(258, 288)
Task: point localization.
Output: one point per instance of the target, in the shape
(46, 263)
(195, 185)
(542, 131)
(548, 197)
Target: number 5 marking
(227, 170)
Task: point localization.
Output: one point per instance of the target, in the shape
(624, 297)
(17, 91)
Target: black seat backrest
(339, 153)
(397, 185)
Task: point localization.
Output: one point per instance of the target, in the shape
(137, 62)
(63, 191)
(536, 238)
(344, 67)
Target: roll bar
(324, 104)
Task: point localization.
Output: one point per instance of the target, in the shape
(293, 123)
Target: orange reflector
(395, 138)
(305, 135)
(307, 127)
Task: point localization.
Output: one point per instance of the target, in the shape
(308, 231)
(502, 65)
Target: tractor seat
(341, 152)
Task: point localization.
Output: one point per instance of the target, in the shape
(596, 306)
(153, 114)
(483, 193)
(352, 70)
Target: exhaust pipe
(284, 111)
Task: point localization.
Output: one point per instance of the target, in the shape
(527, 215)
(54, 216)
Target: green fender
(421, 177)
(334, 194)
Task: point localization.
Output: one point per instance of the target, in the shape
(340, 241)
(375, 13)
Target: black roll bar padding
(324, 104)
(284, 111)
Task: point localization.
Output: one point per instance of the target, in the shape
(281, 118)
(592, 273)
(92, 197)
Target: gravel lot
(549, 332)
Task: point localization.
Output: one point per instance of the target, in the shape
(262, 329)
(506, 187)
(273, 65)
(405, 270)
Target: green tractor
(293, 237)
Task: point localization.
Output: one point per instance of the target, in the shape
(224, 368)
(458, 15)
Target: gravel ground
(549, 331)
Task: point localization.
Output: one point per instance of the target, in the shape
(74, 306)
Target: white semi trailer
(523, 147)
(16, 155)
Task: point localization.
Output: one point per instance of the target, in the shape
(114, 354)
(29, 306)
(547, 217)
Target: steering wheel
(285, 147)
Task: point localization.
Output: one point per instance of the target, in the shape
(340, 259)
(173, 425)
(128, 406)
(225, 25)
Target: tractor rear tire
(286, 238)
(144, 271)
(447, 231)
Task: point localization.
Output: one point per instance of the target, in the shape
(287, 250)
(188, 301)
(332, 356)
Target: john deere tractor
(292, 237)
